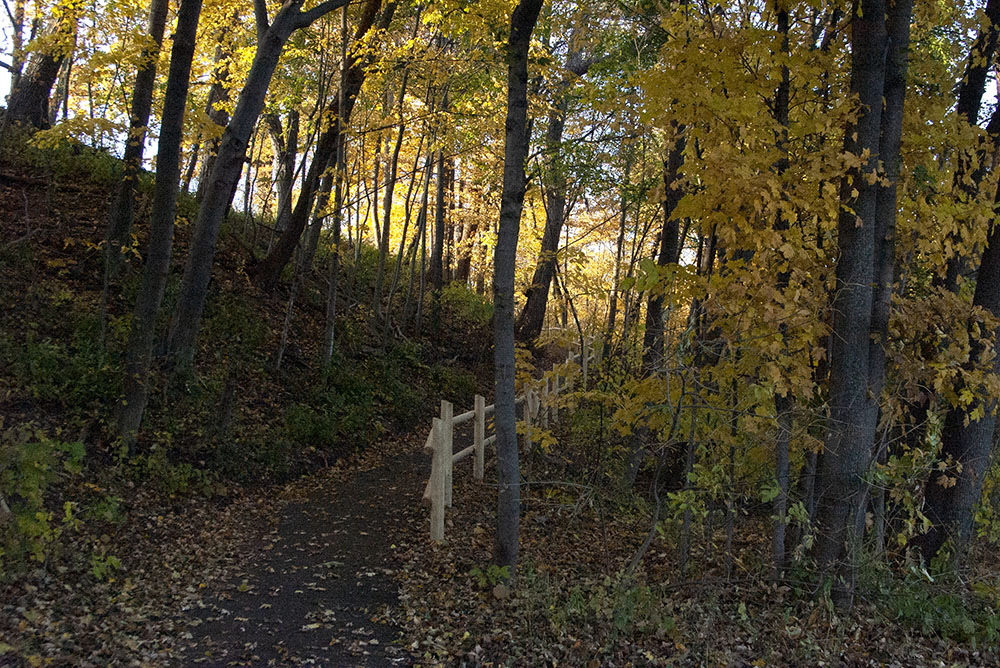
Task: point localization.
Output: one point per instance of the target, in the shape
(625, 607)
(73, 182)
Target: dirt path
(321, 588)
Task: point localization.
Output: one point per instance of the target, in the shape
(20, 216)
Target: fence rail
(537, 402)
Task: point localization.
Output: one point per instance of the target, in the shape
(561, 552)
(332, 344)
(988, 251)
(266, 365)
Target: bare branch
(323, 8)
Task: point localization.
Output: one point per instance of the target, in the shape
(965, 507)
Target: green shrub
(932, 609)
(465, 308)
(30, 463)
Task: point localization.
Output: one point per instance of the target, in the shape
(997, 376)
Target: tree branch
(260, 15)
(306, 18)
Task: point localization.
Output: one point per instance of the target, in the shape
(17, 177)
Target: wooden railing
(538, 404)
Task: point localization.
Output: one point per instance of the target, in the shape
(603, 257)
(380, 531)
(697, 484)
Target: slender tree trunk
(139, 350)
(60, 97)
(893, 95)
(390, 185)
(653, 340)
(437, 254)
(285, 143)
(418, 244)
(329, 339)
(215, 108)
(783, 403)
(192, 164)
(122, 210)
(970, 98)
(186, 318)
(522, 24)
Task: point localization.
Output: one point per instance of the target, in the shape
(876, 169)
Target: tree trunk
(970, 100)
(950, 495)
(893, 96)
(783, 404)
(123, 208)
(28, 102)
(437, 251)
(522, 24)
(848, 444)
(285, 143)
(215, 109)
(267, 272)
(653, 340)
(532, 317)
(390, 185)
(187, 314)
(139, 350)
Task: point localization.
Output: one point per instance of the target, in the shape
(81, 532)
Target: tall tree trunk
(215, 107)
(390, 185)
(532, 317)
(269, 269)
(848, 444)
(437, 252)
(970, 100)
(122, 210)
(522, 23)
(60, 97)
(783, 403)
(340, 177)
(186, 318)
(619, 252)
(893, 96)
(950, 495)
(285, 143)
(139, 350)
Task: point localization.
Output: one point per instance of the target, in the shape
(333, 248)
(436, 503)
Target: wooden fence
(538, 407)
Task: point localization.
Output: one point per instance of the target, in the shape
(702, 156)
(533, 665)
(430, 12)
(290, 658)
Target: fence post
(438, 473)
(527, 420)
(447, 443)
(583, 361)
(545, 404)
(479, 437)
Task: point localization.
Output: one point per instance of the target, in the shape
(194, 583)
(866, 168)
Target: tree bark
(28, 102)
(390, 185)
(970, 100)
(966, 442)
(532, 317)
(139, 350)
(669, 252)
(848, 444)
(285, 143)
(783, 404)
(522, 23)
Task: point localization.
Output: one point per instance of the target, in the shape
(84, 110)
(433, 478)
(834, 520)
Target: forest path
(319, 588)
